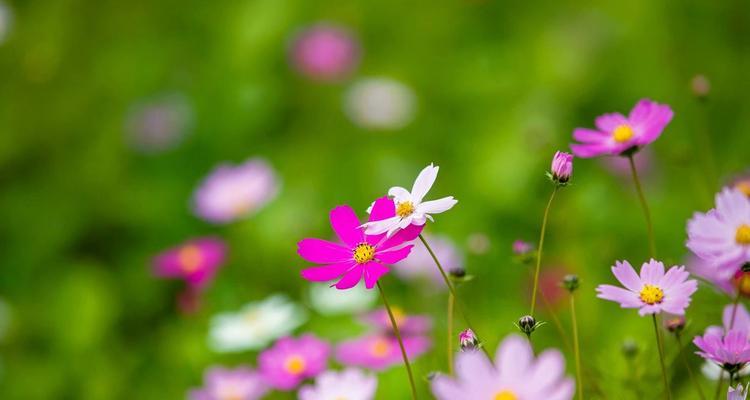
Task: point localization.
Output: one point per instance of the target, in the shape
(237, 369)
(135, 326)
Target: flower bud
(571, 283)
(700, 86)
(562, 168)
(457, 272)
(629, 348)
(675, 324)
(468, 340)
(527, 324)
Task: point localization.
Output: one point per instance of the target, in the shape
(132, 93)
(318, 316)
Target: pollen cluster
(190, 258)
(743, 235)
(364, 253)
(622, 133)
(404, 209)
(294, 365)
(505, 395)
(651, 294)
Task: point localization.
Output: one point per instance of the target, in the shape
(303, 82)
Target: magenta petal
(346, 225)
(407, 234)
(327, 272)
(322, 251)
(383, 208)
(351, 278)
(373, 272)
(394, 256)
(167, 265)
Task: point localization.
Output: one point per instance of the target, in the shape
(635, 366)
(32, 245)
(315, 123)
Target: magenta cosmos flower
(562, 167)
(617, 134)
(730, 351)
(242, 383)
(361, 255)
(407, 324)
(195, 261)
(325, 53)
(722, 235)
(653, 291)
(292, 360)
(516, 375)
(380, 351)
(231, 192)
(350, 384)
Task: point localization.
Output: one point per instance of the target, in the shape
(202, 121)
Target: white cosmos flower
(256, 325)
(328, 300)
(410, 209)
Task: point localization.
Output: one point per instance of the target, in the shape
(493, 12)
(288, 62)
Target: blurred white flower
(159, 124)
(350, 384)
(380, 103)
(6, 20)
(256, 325)
(712, 371)
(478, 243)
(420, 265)
(331, 301)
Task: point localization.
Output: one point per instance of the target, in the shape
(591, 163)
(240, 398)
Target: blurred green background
(499, 87)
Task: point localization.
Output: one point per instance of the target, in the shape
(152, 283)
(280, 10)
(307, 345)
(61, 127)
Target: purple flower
(241, 383)
(517, 374)
(731, 351)
(325, 53)
(292, 360)
(468, 340)
(407, 324)
(620, 166)
(653, 291)
(521, 247)
(380, 351)
(195, 261)
(737, 392)
(618, 135)
(350, 384)
(741, 320)
(420, 264)
(231, 192)
(721, 236)
(159, 124)
(562, 167)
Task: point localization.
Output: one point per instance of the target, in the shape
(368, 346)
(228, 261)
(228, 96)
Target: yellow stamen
(404, 209)
(743, 187)
(622, 133)
(505, 395)
(743, 235)
(364, 253)
(651, 294)
(380, 348)
(742, 282)
(190, 258)
(295, 365)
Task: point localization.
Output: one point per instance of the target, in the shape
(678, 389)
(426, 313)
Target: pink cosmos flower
(242, 383)
(521, 247)
(618, 135)
(231, 192)
(420, 264)
(741, 321)
(350, 384)
(292, 360)
(325, 53)
(407, 324)
(195, 261)
(731, 351)
(620, 166)
(653, 291)
(361, 255)
(721, 236)
(516, 374)
(380, 351)
(562, 167)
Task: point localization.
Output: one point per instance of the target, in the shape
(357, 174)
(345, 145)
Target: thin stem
(539, 251)
(576, 348)
(667, 393)
(644, 204)
(400, 342)
(451, 300)
(452, 289)
(689, 368)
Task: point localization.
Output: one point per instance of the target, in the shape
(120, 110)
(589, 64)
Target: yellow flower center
(651, 294)
(404, 209)
(364, 253)
(743, 187)
(294, 365)
(742, 282)
(743, 235)
(190, 258)
(380, 348)
(505, 395)
(622, 133)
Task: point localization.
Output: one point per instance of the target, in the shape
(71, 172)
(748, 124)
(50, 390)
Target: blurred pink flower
(550, 285)
(350, 384)
(159, 124)
(620, 166)
(196, 261)
(231, 192)
(521, 247)
(516, 374)
(407, 324)
(380, 351)
(704, 270)
(241, 383)
(361, 255)
(325, 52)
(420, 265)
(292, 360)
(618, 135)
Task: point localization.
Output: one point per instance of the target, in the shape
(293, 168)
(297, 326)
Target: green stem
(689, 368)
(539, 251)
(452, 290)
(450, 332)
(644, 205)
(667, 393)
(576, 348)
(400, 342)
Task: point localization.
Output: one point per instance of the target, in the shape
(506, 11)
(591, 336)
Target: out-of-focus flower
(231, 192)
(742, 184)
(241, 383)
(478, 243)
(468, 340)
(620, 135)
(571, 283)
(350, 384)
(517, 374)
(721, 236)
(630, 348)
(325, 52)
(674, 323)
(620, 166)
(741, 320)
(731, 351)
(709, 273)
(196, 261)
(737, 393)
(330, 301)
(362, 255)
(380, 104)
(521, 247)
(380, 351)
(700, 86)
(256, 325)
(549, 285)
(159, 124)
(528, 324)
(420, 265)
(407, 324)
(653, 291)
(561, 168)
(410, 209)
(6, 20)
(292, 360)
(713, 372)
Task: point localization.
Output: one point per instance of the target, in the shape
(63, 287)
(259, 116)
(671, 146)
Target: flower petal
(351, 278)
(437, 206)
(346, 225)
(423, 183)
(321, 251)
(327, 272)
(373, 272)
(394, 256)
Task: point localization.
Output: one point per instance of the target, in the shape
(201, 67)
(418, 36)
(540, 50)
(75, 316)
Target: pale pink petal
(625, 273)
(608, 122)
